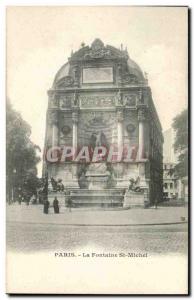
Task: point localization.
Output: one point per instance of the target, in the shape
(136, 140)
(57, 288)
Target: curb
(98, 225)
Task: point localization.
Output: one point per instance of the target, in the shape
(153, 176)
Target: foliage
(21, 154)
(180, 126)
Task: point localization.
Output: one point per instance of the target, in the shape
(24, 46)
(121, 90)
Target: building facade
(174, 187)
(170, 182)
(100, 98)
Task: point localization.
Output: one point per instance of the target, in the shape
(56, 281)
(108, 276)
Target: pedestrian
(68, 200)
(156, 203)
(46, 206)
(56, 206)
(70, 203)
(19, 199)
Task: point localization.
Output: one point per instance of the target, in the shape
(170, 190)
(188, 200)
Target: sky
(40, 40)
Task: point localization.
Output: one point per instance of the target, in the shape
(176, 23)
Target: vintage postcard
(97, 150)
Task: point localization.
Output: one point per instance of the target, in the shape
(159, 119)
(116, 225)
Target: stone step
(108, 200)
(92, 201)
(96, 195)
(97, 192)
(93, 198)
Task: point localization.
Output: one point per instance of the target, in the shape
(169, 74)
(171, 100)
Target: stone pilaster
(53, 121)
(75, 122)
(119, 165)
(74, 145)
(120, 127)
(119, 116)
(52, 137)
(142, 120)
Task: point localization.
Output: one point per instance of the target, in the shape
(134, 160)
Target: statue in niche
(98, 139)
(97, 174)
(93, 140)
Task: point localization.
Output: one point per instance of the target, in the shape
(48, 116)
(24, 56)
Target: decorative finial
(121, 47)
(146, 76)
(82, 44)
(97, 45)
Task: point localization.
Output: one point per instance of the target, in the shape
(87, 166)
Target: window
(166, 185)
(171, 185)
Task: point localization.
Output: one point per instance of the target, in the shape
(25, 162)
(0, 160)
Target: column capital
(53, 102)
(53, 117)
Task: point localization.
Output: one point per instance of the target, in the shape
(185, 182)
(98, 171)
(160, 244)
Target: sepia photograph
(97, 182)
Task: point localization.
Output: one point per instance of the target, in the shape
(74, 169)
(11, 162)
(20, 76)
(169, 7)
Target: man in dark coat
(56, 206)
(46, 206)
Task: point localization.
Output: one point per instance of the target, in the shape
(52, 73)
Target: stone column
(120, 128)
(141, 119)
(75, 121)
(119, 165)
(54, 128)
(53, 121)
(141, 140)
(76, 76)
(74, 182)
(144, 183)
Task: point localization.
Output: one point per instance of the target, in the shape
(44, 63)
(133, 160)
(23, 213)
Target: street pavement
(29, 230)
(34, 214)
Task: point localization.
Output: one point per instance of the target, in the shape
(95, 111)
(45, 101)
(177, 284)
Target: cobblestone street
(29, 230)
(151, 239)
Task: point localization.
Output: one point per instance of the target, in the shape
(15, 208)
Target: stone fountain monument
(97, 174)
(101, 97)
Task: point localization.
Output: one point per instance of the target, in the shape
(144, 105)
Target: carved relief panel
(53, 101)
(65, 101)
(96, 101)
(130, 100)
(65, 82)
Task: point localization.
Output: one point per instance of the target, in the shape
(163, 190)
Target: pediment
(98, 51)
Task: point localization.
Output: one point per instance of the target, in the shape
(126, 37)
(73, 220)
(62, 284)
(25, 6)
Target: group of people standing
(55, 206)
(68, 203)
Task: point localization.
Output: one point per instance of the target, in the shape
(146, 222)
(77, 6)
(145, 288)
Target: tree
(21, 155)
(180, 126)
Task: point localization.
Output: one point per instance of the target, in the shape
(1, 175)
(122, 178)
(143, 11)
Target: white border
(3, 5)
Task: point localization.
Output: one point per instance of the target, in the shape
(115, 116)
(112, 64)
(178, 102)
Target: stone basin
(97, 181)
(97, 176)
